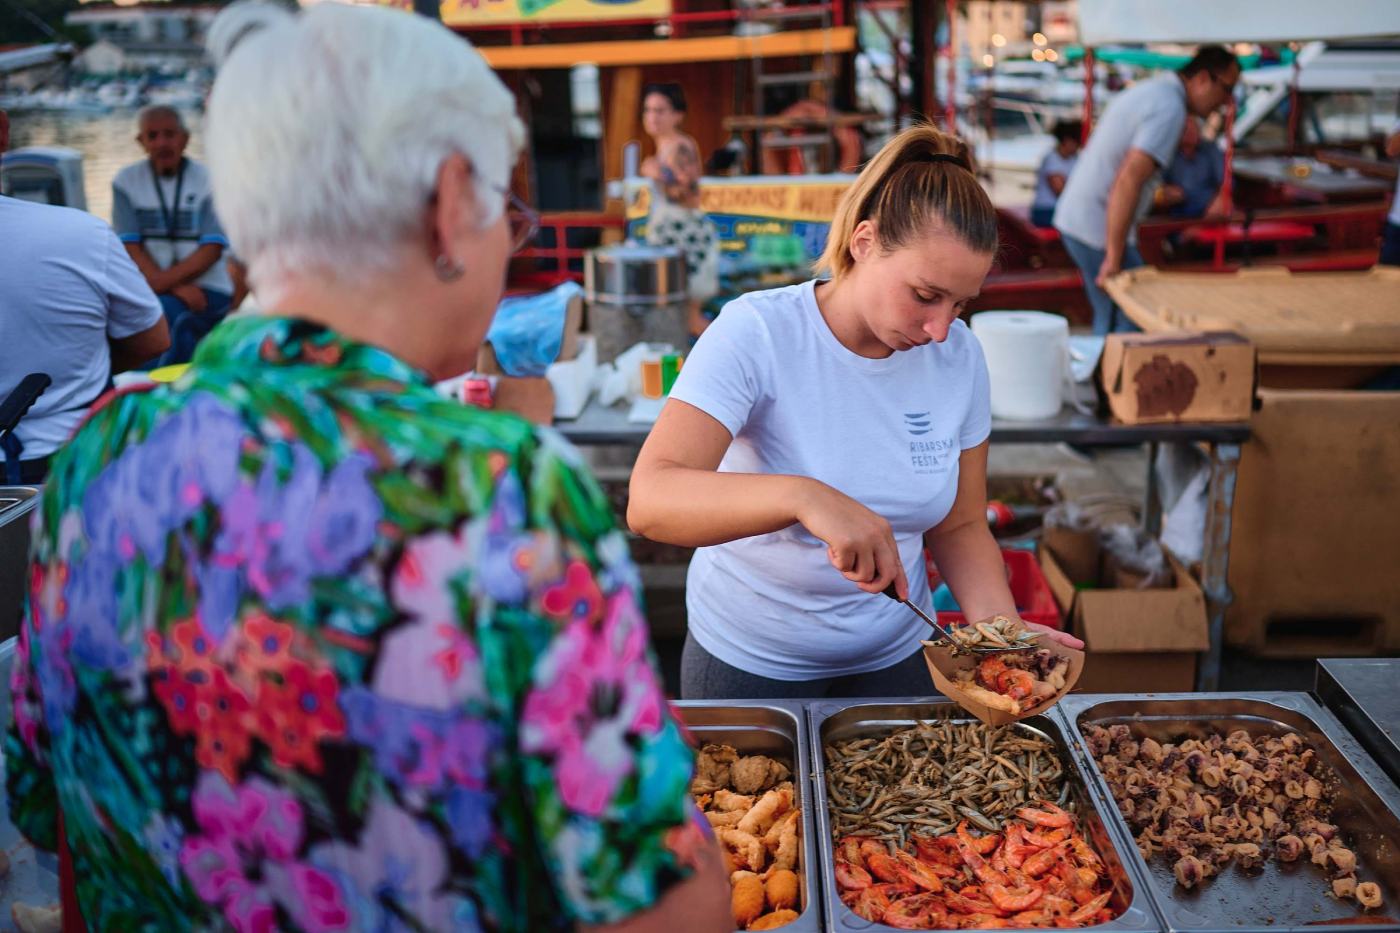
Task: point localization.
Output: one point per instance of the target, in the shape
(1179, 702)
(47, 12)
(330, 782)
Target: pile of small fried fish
(928, 777)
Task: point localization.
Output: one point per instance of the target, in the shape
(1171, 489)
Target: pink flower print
(422, 584)
(430, 662)
(244, 859)
(400, 861)
(431, 665)
(593, 690)
(25, 710)
(577, 598)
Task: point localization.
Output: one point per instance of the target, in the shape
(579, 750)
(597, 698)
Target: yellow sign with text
(813, 202)
(468, 13)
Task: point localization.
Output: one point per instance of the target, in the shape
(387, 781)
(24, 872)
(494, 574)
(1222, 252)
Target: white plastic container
(573, 379)
(1027, 359)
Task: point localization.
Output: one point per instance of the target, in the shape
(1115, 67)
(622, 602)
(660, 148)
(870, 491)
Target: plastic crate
(1034, 601)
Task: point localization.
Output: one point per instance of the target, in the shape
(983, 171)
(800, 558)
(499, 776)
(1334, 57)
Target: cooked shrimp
(851, 877)
(746, 847)
(1013, 900)
(1047, 815)
(771, 806)
(728, 800)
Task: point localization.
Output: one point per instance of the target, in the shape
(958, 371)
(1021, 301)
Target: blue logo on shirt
(917, 423)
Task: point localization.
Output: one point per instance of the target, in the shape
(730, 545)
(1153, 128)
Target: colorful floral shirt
(310, 647)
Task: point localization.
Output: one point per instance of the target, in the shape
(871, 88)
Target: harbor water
(107, 142)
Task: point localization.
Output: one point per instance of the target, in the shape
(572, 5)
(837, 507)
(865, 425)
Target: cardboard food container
(944, 666)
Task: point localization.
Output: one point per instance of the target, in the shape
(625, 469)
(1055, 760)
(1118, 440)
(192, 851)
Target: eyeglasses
(522, 219)
(524, 222)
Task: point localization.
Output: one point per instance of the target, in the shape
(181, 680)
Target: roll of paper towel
(1027, 352)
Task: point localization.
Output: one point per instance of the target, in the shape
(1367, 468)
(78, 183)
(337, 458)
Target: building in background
(157, 36)
(992, 27)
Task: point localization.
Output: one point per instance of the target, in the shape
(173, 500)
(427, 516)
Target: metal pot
(635, 294)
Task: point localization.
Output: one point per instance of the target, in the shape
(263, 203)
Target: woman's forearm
(970, 560)
(696, 508)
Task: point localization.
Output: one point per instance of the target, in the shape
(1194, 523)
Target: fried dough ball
(746, 898)
(1368, 894)
(774, 920)
(1344, 888)
(781, 889)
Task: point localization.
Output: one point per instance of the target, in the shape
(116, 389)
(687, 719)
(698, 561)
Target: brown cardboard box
(1135, 641)
(1178, 376)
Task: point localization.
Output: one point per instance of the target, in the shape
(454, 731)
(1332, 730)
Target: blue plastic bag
(528, 330)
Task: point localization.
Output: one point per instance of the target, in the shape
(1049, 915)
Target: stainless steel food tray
(1280, 897)
(828, 720)
(777, 729)
(1364, 693)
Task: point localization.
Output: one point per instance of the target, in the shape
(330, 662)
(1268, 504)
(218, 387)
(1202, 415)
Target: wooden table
(1322, 180)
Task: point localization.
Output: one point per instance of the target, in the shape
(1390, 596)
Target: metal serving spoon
(947, 634)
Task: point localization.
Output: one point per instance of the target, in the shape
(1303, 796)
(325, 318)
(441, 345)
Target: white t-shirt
(1147, 116)
(885, 432)
(172, 217)
(66, 287)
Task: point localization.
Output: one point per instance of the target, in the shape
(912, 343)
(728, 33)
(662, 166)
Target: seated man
(1193, 179)
(1054, 171)
(163, 210)
(76, 308)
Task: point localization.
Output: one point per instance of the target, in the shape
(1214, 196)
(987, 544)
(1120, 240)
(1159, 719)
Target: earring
(449, 269)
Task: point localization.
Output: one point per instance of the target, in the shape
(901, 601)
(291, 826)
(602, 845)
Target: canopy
(1150, 58)
(1126, 21)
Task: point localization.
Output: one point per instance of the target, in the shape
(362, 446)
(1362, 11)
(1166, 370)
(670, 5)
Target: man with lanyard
(1098, 212)
(163, 210)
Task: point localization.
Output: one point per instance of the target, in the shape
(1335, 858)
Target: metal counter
(1364, 693)
(1277, 897)
(778, 729)
(828, 719)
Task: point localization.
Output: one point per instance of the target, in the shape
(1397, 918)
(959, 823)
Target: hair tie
(934, 158)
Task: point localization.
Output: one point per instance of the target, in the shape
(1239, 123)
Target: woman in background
(676, 219)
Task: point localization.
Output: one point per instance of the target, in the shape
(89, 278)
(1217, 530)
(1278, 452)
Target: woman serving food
(822, 435)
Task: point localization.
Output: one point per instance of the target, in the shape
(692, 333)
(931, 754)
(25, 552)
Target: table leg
(1151, 500)
(1215, 561)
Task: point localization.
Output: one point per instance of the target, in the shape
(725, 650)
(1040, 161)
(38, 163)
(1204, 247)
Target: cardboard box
(1178, 376)
(1135, 641)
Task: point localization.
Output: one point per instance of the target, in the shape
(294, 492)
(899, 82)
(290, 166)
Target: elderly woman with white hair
(308, 646)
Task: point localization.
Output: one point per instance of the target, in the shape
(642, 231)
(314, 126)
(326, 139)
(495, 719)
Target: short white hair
(326, 130)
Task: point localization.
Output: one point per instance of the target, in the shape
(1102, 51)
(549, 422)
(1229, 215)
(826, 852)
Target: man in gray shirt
(1107, 195)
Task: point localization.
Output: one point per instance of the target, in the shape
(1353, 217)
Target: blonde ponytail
(921, 176)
